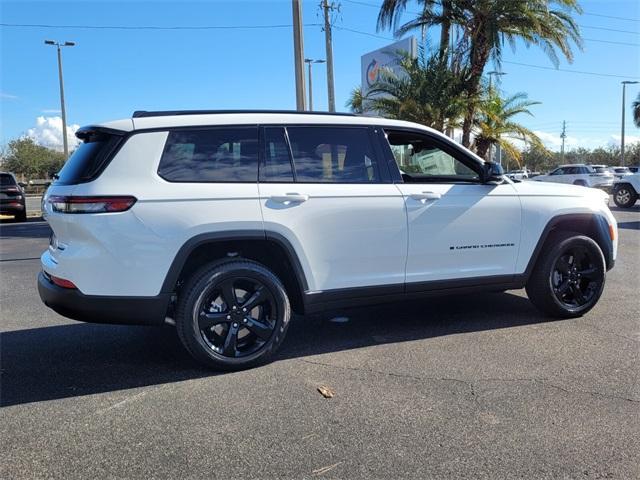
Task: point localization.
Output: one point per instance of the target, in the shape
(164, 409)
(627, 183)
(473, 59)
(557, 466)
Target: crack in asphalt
(472, 385)
(595, 327)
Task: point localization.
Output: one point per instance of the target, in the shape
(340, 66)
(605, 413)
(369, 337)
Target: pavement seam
(472, 385)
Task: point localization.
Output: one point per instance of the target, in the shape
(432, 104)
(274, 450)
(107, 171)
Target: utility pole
(563, 135)
(310, 61)
(298, 54)
(624, 86)
(328, 43)
(65, 142)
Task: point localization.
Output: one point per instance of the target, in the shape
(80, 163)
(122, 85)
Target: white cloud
(7, 96)
(628, 140)
(48, 133)
(51, 110)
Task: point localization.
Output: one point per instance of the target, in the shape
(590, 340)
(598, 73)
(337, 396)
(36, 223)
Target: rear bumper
(73, 304)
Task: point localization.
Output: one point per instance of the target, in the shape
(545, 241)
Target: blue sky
(111, 73)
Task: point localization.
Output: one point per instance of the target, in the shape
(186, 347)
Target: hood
(557, 190)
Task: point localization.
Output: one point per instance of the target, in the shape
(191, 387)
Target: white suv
(580, 174)
(223, 223)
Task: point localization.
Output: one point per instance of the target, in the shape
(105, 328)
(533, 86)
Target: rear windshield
(88, 160)
(6, 180)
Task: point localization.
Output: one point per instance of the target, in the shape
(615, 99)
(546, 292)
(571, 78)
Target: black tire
(21, 216)
(624, 196)
(226, 338)
(569, 276)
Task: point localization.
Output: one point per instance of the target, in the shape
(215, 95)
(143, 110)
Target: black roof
(164, 113)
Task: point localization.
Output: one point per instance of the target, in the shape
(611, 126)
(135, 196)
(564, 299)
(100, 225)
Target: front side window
(421, 158)
(333, 155)
(211, 155)
(558, 171)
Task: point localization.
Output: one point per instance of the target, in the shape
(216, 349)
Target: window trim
(262, 153)
(206, 128)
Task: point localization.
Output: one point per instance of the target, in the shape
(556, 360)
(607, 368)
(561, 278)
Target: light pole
(497, 74)
(62, 108)
(624, 86)
(298, 53)
(310, 61)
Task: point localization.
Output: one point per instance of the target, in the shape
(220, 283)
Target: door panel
(469, 231)
(345, 235)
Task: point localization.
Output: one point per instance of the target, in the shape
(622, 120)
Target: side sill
(317, 302)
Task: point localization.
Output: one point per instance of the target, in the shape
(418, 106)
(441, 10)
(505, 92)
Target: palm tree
(355, 103)
(426, 92)
(636, 111)
(494, 124)
(487, 25)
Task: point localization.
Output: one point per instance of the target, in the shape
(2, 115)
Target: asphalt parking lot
(475, 387)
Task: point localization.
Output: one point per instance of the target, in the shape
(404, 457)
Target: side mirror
(493, 172)
(22, 184)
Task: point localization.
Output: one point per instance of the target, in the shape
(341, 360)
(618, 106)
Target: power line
(610, 16)
(570, 71)
(609, 29)
(154, 27)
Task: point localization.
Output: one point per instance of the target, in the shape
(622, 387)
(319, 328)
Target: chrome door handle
(290, 198)
(425, 196)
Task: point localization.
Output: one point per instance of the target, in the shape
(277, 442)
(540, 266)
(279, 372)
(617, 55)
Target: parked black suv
(12, 197)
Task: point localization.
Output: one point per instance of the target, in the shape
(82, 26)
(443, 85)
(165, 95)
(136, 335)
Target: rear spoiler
(93, 133)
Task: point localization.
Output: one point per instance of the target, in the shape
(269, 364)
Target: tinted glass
(276, 165)
(419, 157)
(333, 155)
(88, 160)
(212, 155)
(559, 171)
(6, 180)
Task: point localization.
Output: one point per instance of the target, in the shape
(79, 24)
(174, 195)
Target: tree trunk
(482, 148)
(445, 30)
(480, 51)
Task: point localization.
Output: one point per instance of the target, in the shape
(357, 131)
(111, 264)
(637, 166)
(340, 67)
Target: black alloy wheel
(624, 196)
(237, 316)
(233, 314)
(575, 278)
(568, 277)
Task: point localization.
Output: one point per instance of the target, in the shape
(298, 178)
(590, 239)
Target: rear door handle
(290, 198)
(425, 196)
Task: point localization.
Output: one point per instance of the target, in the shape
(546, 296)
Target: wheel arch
(268, 248)
(592, 225)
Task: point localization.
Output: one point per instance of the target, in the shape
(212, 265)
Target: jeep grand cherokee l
(223, 223)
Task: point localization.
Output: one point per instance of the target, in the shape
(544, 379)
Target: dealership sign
(386, 58)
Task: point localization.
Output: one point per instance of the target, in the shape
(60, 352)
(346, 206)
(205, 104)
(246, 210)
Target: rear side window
(6, 180)
(89, 159)
(211, 155)
(333, 155)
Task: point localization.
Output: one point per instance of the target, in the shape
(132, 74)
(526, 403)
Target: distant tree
(355, 103)
(636, 111)
(426, 92)
(23, 156)
(495, 124)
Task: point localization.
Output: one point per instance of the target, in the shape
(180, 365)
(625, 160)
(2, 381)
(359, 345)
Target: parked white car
(626, 190)
(579, 174)
(620, 172)
(223, 223)
(518, 174)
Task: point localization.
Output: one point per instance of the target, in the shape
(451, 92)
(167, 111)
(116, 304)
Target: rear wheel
(233, 315)
(569, 277)
(625, 196)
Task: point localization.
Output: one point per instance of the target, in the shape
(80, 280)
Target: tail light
(71, 204)
(61, 282)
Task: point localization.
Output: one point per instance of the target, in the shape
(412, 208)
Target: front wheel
(233, 315)
(624, 196)
(569, 276)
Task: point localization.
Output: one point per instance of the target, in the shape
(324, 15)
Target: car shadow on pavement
(78, 359)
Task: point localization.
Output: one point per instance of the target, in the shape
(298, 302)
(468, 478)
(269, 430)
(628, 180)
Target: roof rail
(164, 113)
